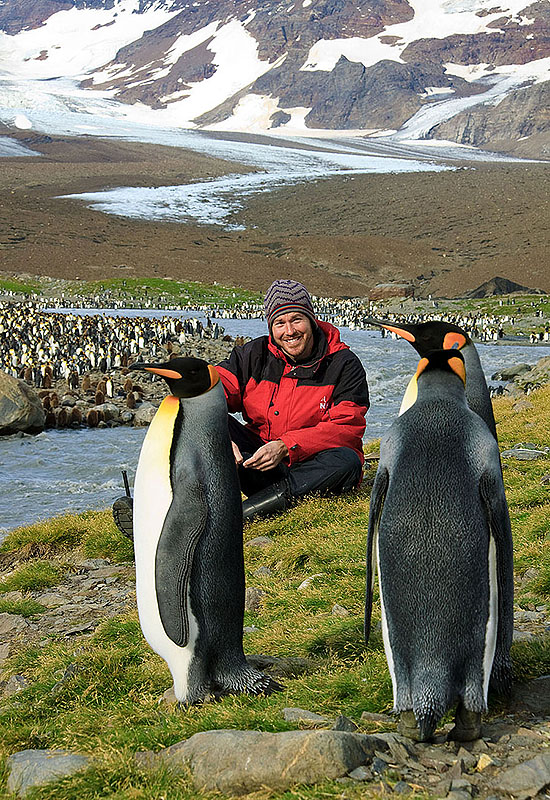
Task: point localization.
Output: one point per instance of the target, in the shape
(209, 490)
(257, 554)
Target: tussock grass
(99, 694)
(32, 575)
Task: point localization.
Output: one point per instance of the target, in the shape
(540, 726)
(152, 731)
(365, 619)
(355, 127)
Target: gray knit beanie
(284, 296)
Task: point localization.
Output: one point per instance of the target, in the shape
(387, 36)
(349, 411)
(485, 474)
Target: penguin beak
(402, 332)
(164, 373)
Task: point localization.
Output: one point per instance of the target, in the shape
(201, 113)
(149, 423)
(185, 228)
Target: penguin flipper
(496, 509)
(377, 498)
(184, 525)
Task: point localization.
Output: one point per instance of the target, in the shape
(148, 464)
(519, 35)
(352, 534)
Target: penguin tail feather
(501, 677)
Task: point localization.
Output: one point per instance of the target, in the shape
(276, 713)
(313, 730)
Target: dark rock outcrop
(497, 285)
(20, 407)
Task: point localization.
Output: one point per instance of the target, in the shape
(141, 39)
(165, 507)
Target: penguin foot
(248, 681)
(408, 726)
(123, 516)
(467, 725)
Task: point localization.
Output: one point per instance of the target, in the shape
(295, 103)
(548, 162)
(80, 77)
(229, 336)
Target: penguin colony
(86, 353)
(188, 538)
(439, 537)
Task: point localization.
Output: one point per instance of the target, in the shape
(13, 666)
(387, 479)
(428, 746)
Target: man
(303, 395)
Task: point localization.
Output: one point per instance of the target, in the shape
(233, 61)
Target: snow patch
(432, 91)
(78, 40)
(22, 122)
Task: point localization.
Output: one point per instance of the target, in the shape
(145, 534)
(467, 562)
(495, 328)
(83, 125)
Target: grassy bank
(108, 705)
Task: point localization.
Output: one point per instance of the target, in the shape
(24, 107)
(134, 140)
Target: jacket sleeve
(344, 424)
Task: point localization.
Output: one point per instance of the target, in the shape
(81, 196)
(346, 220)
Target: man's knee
(331, 471)
(346, 467)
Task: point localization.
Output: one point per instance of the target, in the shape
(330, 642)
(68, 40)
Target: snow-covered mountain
(471, 71)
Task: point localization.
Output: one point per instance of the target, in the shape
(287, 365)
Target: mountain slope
(472, 71)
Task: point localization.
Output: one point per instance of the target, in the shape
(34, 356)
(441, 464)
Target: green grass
(166, 290)
(99, 694)
(26, 607)
(20, 287)
(32, 576)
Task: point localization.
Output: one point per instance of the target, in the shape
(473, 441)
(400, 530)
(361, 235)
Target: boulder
(31, 768)
(20, 407)
(144, 415)
(238, 762)
(526, 779)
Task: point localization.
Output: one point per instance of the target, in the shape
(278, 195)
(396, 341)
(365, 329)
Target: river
(77, 470)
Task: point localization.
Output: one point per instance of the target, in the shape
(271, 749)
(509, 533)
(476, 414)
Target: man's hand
(237, 454)
(268, 456)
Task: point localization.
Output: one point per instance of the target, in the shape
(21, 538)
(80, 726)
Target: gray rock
(302, 715)
(144, 415)
(14, 684)
(509, 373)
(12, 623)
(361, 774)
(68, 400)
(289, 667)
(30, 768)
(402, 788)
(343, 723)
(526, 779)
(533, 696)
(109, 410)
(339, 611)
(259, 541)
(5, 649)
(20, 406)
(371, 716)
(253, 599)
(524, 454)
(238, 762)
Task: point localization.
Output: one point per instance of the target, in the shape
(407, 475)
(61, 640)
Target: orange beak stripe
(400, 332)
(214, 375)
(453, 338)
(165, 373)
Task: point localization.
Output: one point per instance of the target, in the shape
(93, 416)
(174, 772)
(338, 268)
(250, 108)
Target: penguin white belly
(153, 497)
(385, 632)
(492, 619)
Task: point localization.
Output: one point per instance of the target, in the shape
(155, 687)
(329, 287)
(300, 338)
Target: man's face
(293, 333)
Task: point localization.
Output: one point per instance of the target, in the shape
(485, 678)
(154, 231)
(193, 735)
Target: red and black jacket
(310, 407)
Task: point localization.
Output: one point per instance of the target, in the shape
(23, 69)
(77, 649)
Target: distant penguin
(99, 398)
(86, 383)
(439, 533)
(439, 335)
(188, 529)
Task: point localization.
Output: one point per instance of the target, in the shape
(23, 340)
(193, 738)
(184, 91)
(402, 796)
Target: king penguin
(439, 535)
(188, 529)
(439, 335)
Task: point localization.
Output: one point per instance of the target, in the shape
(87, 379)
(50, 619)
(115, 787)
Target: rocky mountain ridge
(476, 73)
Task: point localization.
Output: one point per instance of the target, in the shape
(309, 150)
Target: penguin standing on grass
(188, 529)
(439, 534)
(439, 335)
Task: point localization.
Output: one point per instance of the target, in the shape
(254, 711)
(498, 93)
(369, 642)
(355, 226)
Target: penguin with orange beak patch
(439, 335)
(439, 535)
(188, 529)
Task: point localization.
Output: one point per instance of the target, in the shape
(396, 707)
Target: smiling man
(303, 397)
